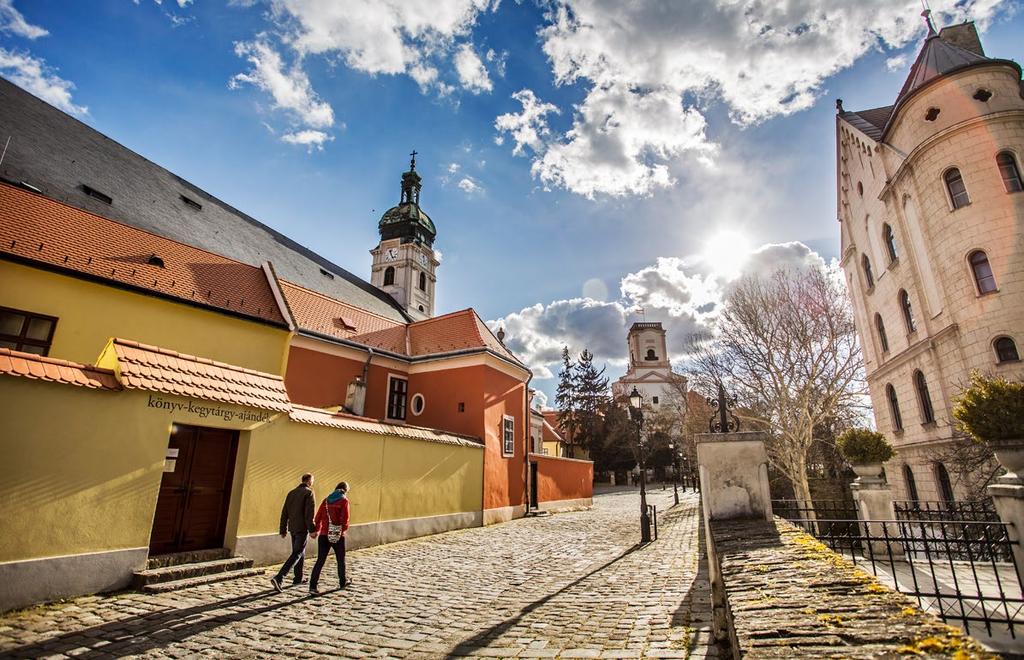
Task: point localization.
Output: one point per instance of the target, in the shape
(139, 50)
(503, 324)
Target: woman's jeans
(323, 547)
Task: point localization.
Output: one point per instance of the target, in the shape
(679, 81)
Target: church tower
(404, 264)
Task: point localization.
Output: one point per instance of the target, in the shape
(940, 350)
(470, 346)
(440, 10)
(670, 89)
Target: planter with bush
(991, 410)
(866, 450)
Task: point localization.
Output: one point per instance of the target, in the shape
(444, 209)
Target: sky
(583, 160)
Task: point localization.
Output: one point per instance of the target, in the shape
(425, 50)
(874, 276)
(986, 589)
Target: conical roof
(937, 58)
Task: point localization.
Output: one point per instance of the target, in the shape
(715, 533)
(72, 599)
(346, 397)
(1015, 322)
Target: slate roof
(29, 365)
(37, 229)
(58, 154)
(938, 57)
(870, 122)
(156, 369)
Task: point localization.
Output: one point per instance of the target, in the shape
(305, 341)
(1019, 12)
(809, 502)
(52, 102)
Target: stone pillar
(734, 475)
(1007, 494)
(874, 502)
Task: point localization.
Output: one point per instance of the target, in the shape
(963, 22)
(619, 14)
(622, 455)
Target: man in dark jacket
(297, 518)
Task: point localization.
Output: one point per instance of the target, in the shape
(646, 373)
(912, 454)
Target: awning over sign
(156, 369)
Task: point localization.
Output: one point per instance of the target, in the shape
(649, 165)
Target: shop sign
(204, 409)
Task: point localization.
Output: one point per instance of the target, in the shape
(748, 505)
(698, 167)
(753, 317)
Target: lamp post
(675, 470)
(636, 401)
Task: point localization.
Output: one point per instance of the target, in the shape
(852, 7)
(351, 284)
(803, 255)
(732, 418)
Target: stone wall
(787, 595)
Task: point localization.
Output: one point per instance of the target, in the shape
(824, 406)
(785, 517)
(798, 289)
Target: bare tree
(786, 347)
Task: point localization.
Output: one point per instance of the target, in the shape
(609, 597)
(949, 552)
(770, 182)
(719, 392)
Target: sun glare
(726, 252)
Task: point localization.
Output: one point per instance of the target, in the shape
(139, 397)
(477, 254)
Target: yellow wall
(554, 448)
(390, 478)
(91, 313)
(80, 469)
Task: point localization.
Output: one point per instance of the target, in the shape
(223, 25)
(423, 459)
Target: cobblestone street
(571, 585)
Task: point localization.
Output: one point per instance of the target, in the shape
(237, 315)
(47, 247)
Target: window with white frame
(508, 435)
(398, 391)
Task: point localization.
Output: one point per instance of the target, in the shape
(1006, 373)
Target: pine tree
(565, 397)
(591, 397)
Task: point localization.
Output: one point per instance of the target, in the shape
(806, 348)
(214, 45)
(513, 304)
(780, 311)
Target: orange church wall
(563, 478)
(503, 476)
(442, 392)
(321, 380)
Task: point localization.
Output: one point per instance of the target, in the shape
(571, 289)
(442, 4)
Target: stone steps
(175, 585)
(193, 557)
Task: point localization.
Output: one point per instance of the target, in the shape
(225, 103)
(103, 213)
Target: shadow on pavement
(483, 638)
(138, 634)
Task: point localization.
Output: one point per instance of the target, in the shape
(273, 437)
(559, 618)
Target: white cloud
(470, 186)
(472, 73)
(529, 126)
(898, 63)
(540, 400)
(310, 138)
(34, 76)
(12, 22)
(681, 292)
(289, 88)
(650, 69)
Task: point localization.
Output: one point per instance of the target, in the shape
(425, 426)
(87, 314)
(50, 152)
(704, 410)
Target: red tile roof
(457, 331)
(41, 230)
(161, 370)
(29, 365)
(340, 420)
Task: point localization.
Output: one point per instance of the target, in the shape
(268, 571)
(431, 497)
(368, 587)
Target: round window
(417, 404)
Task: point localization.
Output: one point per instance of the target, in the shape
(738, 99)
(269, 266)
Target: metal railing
(961, 569)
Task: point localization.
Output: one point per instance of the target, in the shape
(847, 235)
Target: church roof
(407, 212)
(68, 161)
(870, 122)
(938, 57)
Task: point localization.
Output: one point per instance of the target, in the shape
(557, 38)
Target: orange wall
(503, 477)
(563, 479)
(442, 392)
(321, 380)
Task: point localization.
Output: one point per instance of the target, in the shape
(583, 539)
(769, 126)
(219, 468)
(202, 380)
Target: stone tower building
(932, 211)
(649, 369)
(404, 262)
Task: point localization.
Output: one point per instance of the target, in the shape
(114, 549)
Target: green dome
(407, 213)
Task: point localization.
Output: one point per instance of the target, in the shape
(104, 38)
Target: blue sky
(581, 158)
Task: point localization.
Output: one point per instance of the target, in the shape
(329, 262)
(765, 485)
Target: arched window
(927, 411)
(423, 281)
(982, 270)
(1008, 170)
(389, 276)
(868, 275)
(908, 478)
(890, 242)
(894, 408)
(651, 355)
(957, 190)
(882, 338)
(1006, 350)
(908, 311)
(945, 485)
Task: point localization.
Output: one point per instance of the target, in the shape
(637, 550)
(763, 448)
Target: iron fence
(955, 558)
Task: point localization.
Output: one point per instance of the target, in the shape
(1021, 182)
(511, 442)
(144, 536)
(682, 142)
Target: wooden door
(191, 511)
(533, 486)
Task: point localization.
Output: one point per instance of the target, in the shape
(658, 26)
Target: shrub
(861, 446)
(991, 409)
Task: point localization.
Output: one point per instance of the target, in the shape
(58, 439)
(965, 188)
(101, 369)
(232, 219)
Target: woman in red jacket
(331, 524)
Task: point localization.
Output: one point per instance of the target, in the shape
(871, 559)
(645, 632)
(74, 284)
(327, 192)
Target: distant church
(649, 369)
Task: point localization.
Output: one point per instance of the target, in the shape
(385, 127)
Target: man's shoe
(313, 591)
(276, 581)
(296, 583)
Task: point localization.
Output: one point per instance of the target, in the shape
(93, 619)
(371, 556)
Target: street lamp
(675, 470)
(636, 401)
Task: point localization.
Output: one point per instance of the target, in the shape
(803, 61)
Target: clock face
(423, 258)
(391, 254)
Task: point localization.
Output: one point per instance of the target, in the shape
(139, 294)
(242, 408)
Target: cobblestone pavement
(570, 585)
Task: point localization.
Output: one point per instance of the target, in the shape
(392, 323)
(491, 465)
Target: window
(927, 411)
(417, 403)
(25, 331)
(389, 276)
(326, 273)
(868, 275)
(945, 485)
(894, 408)
(882, 338)
(191, 203)
(95, 194)
(860, 188)
(1008, 170)
(957, 190)
(398, 389)
(154, 260)
(508, 436)
(654, 400)
(890, 243)
(982, 95)
(908, 311)
(462, 406)
(651, 355)
(908, 477)
(1006, 350)
(932, 114)
(423, 281)
(982, 270)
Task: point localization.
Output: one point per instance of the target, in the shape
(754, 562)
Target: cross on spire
(412, 163)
